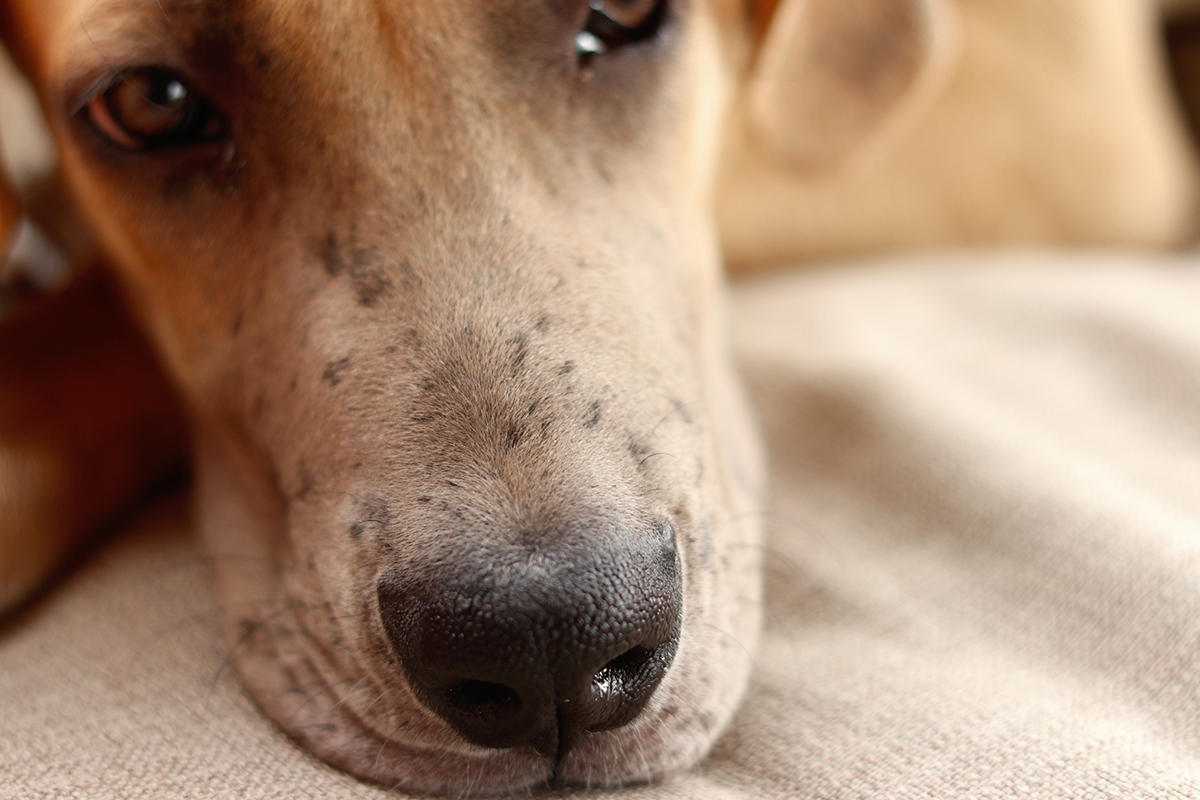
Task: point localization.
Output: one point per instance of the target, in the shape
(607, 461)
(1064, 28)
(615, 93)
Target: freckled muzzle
(538, 646)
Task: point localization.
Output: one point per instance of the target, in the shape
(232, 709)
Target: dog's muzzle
(535, 643)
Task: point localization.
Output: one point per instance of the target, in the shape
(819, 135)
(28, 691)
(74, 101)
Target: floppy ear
(838, 82)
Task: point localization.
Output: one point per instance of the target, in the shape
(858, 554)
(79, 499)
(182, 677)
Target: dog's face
(438, 284)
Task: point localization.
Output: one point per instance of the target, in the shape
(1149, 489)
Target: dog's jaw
(304, 629)
(317, 661)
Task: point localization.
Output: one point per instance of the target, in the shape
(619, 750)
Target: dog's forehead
(78, 33)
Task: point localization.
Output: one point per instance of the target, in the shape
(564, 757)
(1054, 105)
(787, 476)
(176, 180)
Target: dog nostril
(483, 699)
(620, 675)
(621, 688)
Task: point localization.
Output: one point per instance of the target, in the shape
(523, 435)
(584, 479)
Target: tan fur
(442, 287)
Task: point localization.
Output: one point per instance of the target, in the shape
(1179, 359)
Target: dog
(439, 288)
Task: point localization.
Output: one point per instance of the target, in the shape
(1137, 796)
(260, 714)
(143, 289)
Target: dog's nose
(538, 645)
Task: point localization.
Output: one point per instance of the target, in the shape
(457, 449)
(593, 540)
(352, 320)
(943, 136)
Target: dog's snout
(540, 646)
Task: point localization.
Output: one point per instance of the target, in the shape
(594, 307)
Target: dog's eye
(149, 108)
(614, 23)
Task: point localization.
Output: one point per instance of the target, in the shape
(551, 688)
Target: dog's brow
(119, 31)
(124, 24)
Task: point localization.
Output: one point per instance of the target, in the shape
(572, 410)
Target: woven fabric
(983, 570)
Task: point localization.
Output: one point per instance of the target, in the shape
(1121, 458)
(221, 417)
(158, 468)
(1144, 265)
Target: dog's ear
(840, 81)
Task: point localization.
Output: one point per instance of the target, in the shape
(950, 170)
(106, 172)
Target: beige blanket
(984, 569)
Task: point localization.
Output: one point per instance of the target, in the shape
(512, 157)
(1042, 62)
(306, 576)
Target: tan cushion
(984, 565)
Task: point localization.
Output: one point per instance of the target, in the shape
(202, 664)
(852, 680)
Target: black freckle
(357, 465)
(333, 371)
(543, 324)
(331, 256)
(236, 328)
(248, 627)
(292, 384)
(370, 286)
(312, 564)
(356, 530)
(638, 449)
(513, 436)
(452, 484)
(595, 412)
(424, 499)
(390, 350)
(546, 425)
(682, 409)
(567, 368)
(306, 482)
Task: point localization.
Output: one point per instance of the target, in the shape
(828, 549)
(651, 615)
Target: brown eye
(149, 108)
(614, 23)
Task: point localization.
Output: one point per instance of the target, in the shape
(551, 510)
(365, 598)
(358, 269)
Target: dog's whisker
(652, 455)
(322, 688)
(384, 742)
(732, 638)
(371, 705)
(251, 631)
(342, 700)
(679, 408)
(83, 27)
(163, 10)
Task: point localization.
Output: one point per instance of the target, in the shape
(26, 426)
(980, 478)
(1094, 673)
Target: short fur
(446, 283)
